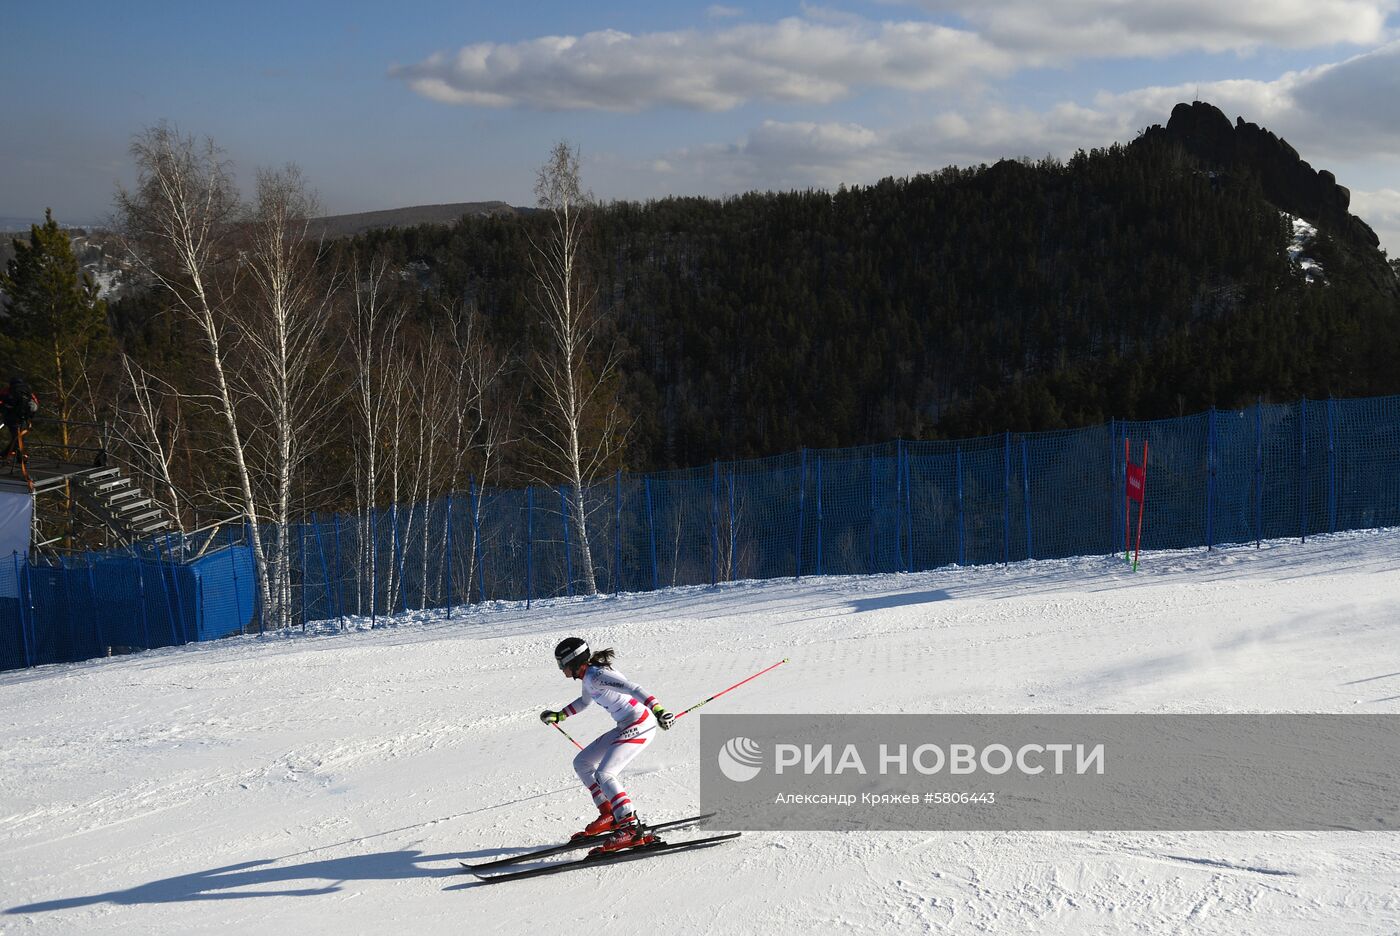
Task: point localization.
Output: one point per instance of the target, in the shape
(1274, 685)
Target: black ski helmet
(570, 653)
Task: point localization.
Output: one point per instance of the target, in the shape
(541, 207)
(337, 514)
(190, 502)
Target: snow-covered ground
(330, 784)
(1299, 244)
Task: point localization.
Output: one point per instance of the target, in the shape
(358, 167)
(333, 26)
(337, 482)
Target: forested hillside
(251, 367)
(1142, 280)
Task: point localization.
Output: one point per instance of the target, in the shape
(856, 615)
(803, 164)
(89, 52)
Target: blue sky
(443, 102)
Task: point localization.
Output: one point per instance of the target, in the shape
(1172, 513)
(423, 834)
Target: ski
(576, 844)
(629, 854)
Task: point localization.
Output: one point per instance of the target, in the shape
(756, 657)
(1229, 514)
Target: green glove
(552, 718)
(663, 718)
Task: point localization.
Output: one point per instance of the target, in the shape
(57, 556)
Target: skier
(637, 715)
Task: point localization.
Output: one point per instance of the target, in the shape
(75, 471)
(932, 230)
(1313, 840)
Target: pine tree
(55, 330)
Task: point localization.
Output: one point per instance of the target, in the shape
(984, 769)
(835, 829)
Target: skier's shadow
(260, 879)
(898, 600)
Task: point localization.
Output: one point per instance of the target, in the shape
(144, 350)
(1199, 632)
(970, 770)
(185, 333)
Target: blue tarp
(97, 604)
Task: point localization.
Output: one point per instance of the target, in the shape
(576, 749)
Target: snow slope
(330, 784)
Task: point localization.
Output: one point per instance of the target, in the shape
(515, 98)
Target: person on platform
(18, 404)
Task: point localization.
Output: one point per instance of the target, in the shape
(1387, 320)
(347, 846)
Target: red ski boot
(604, 823)
(629, 834)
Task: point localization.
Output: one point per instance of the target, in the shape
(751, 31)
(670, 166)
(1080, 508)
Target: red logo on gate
(1136, 476)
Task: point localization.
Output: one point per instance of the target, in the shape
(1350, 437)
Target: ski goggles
(573, 659)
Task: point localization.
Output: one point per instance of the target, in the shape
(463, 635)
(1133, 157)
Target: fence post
(1258, 472)
(179, 596)
(141, 594)
(617, 539)
(908, 506)
(870, 562)
(529, 545)
(1303, 471)
(733, 533)
(339, 600)
(394, 568)
(237, 593)
(1113, 492)
(165, 590)
(899, 504)
(301, 536)
(1331, 466)
(651, 527)
(1113, 500)
(258, 609)
(1026, 496)
(1006, 501)
(400, 552)
(19, 609)
(714, 525)
(447, 559)
(331, 608)
(29, 603)
(373, 567)
(1210, 481)
(819, 515)
(92, 584)
(568, 559)
(480, 547)
(801, 515)
(962, 531)
(476, 546)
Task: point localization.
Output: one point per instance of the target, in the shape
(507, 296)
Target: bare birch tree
(478, 414)
(576, 368)
(283, 333)
(179, 225)
(376, 365)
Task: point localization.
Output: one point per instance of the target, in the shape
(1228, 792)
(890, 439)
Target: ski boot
(629, 833)
(604, 823)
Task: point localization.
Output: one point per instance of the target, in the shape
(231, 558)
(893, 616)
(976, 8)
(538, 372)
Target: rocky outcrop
(1287, 179)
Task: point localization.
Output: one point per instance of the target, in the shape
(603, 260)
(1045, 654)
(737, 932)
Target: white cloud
(793, 60)
(1381, 210)
(800, 154)
(1338, 115)
(720, 11)
(1348, 110)
(825, 54)
(1117, 28)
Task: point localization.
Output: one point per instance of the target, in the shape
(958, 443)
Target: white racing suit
(598, 764)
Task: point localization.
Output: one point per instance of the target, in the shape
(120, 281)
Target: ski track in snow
(330, 783)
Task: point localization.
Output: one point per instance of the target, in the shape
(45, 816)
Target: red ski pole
(733, 687)
(566, 734)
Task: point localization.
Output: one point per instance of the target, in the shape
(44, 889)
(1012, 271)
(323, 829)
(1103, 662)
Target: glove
(663, 718)
(552, 718)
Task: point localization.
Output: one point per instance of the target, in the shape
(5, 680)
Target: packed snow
(331, 783)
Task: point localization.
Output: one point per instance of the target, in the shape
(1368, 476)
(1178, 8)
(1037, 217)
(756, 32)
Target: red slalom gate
(1135, 491)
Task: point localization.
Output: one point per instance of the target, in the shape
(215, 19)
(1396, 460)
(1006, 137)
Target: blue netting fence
(1213, 479)
(78, 606)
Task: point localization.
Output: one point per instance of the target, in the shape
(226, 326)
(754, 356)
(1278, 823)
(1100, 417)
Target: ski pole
(735, 686)
(566, 734)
